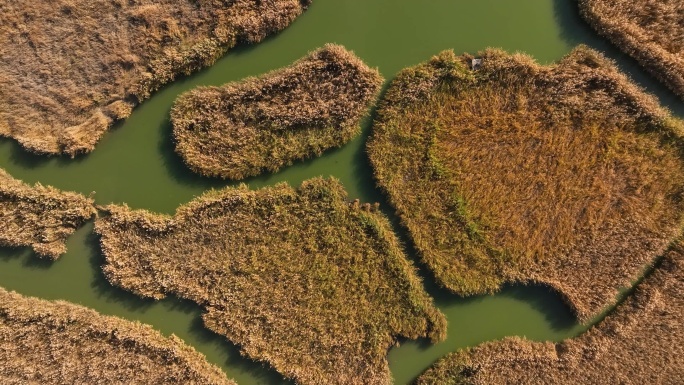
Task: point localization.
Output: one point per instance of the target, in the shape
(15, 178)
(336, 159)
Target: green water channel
(135, 164)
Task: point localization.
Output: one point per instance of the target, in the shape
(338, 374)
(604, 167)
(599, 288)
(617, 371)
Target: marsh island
(262, 124)
(314, 285)
(69, 70)
(56, 342)
(566, 175)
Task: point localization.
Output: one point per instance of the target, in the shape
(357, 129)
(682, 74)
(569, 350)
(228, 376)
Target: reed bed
(568, 175)
(301, 279)
(44, 342)
(243, 128)
(70, 68)
(642, 342)
(651, 31)
(40, 217)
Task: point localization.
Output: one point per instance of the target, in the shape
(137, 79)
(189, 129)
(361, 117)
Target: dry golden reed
(316, 286)
(565, 175)
(40, 217)
(44, 342)
(243, 128)
(642, 342)
(651, 31)
(70, 68)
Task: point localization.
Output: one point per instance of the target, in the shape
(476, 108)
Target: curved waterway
(135, 164)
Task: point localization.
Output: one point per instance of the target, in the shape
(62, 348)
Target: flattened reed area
(651, 31)
(40, 217)
(70, 68)
(564, 175)
(314, 285)
(43, 342)
(241, 129)
(642, 342)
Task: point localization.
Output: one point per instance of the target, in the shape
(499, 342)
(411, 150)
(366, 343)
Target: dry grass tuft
(651, 31)
(40, 217)
(70, 68)
(642, 342)
(43, 342)
(240, 129)
(304, 280)
(566, 175)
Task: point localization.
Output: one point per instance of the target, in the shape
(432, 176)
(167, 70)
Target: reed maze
(499, 169)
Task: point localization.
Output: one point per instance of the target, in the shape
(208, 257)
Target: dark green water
(135, 164)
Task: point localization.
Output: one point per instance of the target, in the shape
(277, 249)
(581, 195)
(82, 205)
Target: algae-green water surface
(135, 164)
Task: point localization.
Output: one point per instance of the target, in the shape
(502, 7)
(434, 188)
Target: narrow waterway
(135, 164)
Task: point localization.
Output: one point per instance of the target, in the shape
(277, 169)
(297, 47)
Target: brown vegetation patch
(566, 175)
(315, 286)
(43, 342)
(40, 217)
(651, 31)
(241, 129)
(642, 342)
(70, 68)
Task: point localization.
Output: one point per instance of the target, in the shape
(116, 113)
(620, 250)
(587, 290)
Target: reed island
(641, 342)
(312, 284)
(39, 216)
(70, 69)
(56, 342)
(261, 124)
(651, 31)
(507, 171)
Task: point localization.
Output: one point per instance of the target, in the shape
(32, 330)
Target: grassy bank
(70, 68)
(241, 129)
(40, 217)
(567, 175)
(44, 342)
(651, 31)
(314, 285)
(640, 343)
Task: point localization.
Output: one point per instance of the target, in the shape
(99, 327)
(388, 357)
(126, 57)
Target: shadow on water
(174, 163)
(24, 158)
(361, 170)
(544, 300)
(575, 30)
(262, 373)
(103, 288)
(182, 174)
(362, 164)
(30, 259)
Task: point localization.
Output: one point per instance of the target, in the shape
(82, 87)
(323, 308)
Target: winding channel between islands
(135, 164)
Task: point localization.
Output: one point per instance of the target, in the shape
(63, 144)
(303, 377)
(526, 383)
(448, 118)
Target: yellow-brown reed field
(243, 128)
(46, 342)
(566, 175)
(642, 342)
(302, 279)
(70, 68)
(40, 217)
(651, 31)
